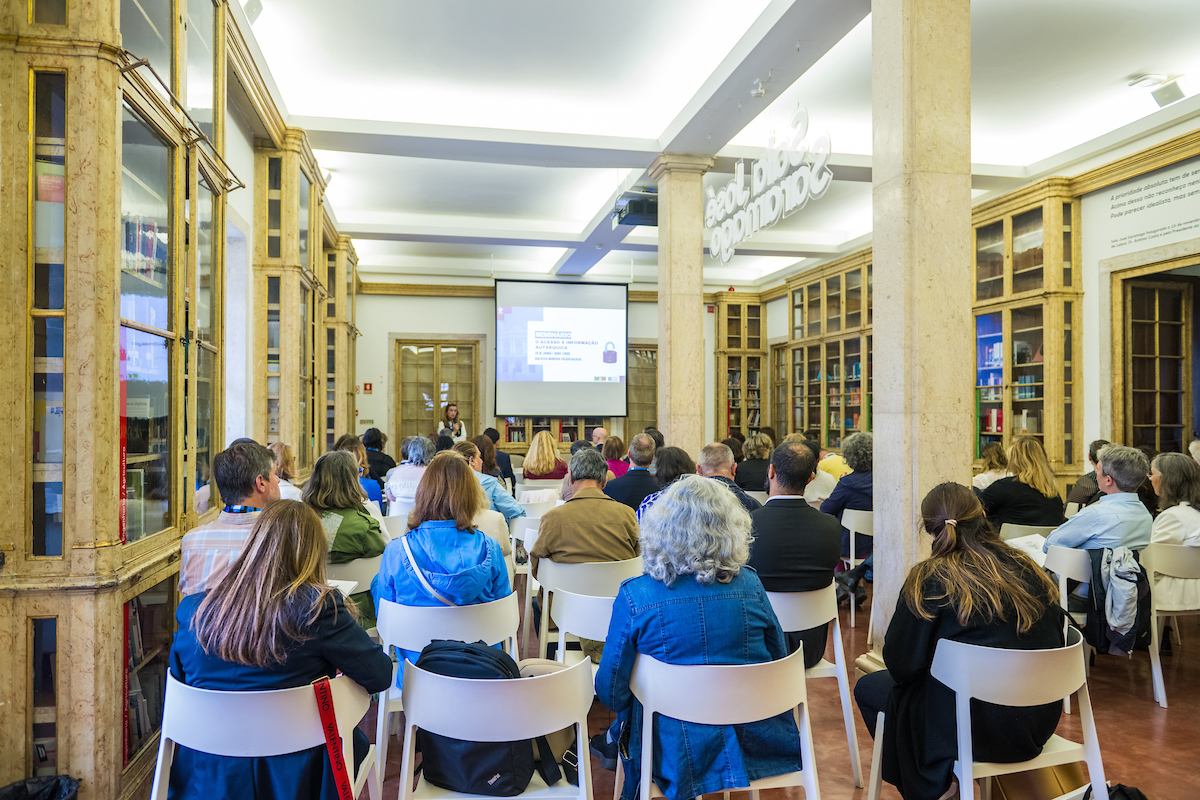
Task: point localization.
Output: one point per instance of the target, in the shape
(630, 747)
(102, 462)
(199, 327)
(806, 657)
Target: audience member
(372, 488)
(735, 446)
(1119, 519)
(613, 452)
(334, 492)
(497, 496)
(716, 462)
(794, 547)
(271, 621)
(462, 565)
(1086, 491)
(1029, 496)
(379, 462)
(487, 452)
(542, 462)
(738, 435)
(695, 541)
(451, 422)
(822, 484)
(401, 483)
(285, 469)
(1194, 450)
(591, 526)
(1146, 491)
(832, 463)
(503, 459)
(1177, 482)
(443, 442)
(769, 432)
(659, 444)
(752, 472)
(247, 481)
(973, 589)
(599, 437)
(568, 489)
(855, 490)
(633, 487)
(673, 464)
(995, 466)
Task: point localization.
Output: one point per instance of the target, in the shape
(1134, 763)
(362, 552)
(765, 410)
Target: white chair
(731, 695)
(1170, 561)
(1071, 510)
(801, 611)
(260, 724)
(497, 711)
(524, 531)
(537, 510)
(759, 496)
(581, 615)
(400, 509)
(1019, 678)
(529, 485)
(1011, 531)
(361, 570)
(414, 627)
(395, 527)
(857, 522)
(596, 578)
(1076, 565)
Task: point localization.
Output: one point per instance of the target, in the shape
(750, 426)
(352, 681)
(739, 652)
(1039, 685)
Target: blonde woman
(285, 468)
(751, 474)
(333, 491)
(542, 461)
(271, 622)
(1029, 496)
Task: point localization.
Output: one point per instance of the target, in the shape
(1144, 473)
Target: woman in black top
(1086, 491)
(973, 589)
(1030, 496)
(380, 462)
(751, 474)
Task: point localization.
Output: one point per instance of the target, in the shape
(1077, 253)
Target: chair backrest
(597, 578)
(1010, 531)
(1067, 562)
(362, 570)
(520, 527)
(400, 510)
(256, 724)
(731, 695)
(532, 484)
(497, 710)
(584, 615)
(1172, 560)
(1071, 510)
(1011, 677)
(759, 496)
(799, 611)
(857, 521)
(413, 627)
(395, 527)
(537, 510)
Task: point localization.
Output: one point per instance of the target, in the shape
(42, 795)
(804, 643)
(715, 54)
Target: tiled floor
(1143, 745)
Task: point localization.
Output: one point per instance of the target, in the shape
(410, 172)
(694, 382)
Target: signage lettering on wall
(791, 173)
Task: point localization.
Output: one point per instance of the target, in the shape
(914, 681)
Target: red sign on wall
(366, 388)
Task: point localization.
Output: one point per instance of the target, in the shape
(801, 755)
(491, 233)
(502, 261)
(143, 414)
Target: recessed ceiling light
(1148, 80)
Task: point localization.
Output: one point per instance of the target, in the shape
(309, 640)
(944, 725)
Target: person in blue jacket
(271, 622)
(498, 497)
(463, 565)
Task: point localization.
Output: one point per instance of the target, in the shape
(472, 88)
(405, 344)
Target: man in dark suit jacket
(633, 487)
(795, 546)
(503, 460)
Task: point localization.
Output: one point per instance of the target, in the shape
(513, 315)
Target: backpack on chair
(497, 769)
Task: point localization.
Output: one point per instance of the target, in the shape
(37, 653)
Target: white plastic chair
(582, 615)
(1076, 565)
(1010, 531)
(1171, 561)
(729, 695)
(524, 531)
(857, 522)
(414, 627)
(395, 527)
(759, 496)
(596, 578)
(362, 571)
(537, 510)
(400, 509)
(260, 724)
(1019, 678)
(1071, 510)
(497, 711)
(801, 611)
(530, 485)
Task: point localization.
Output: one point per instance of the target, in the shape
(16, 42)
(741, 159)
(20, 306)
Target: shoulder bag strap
(333, 742)
(412, 562)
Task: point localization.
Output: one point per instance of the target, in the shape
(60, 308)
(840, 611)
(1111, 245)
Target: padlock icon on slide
(610, 353)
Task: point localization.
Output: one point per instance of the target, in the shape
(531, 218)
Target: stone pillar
(921, 95)
(681, 360)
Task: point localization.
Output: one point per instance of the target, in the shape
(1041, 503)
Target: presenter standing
(451, 422)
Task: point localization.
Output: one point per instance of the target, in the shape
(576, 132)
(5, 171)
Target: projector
(639, 208)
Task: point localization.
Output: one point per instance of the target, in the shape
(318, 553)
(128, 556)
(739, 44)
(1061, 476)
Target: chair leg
(1175, 630)
(544, 630)
(847, 710)
(528, 615)
(876, 761)
(1156, 676)
(985, 789)
(382, 723)
(808, 758)
(619, 783)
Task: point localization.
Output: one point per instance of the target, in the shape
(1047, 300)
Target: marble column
(923, 359)
(681, 359)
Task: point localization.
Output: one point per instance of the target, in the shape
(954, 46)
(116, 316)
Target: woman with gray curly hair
(694, 605)
(854, 490)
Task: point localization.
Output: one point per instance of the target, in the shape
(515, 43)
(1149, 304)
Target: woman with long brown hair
(613, 451)
(452, 423)
(487, 451)
(459, 563)
(975, 589)
(1029, 496)
(542, 461)
(271, 622)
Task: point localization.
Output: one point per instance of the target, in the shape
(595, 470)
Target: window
(1158, 364)
(431, 375)
(643, 390)
(273, 354)
(146, 27)
(43, 656)
(201, 64)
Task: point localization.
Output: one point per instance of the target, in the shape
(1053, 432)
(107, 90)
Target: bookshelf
(1027, 308)
(742, 359)
(517, 432)
(148, 628)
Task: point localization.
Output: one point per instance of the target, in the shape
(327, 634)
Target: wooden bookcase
(517, 432)
(742, 367)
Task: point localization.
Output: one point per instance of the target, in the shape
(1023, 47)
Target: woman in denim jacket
(696, 604)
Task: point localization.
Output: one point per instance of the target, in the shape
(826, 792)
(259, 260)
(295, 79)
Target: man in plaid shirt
(245, 477)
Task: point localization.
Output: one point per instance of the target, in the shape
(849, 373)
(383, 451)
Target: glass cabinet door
(733, 326)
(753, 327)
(816, 397)
(753, 404)
(854, 299)
(1028, 234)
(815, 309)
(989, 261)
(799, 395)
(852, 370)
(798, 314)
(1158, 370)
(833, 394)
(833, 304)
(1027, 382)
(733, 387)
(989, 379)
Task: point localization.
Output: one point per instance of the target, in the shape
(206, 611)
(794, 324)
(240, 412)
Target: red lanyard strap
(333, 742)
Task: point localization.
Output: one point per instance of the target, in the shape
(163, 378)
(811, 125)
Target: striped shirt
(208, 551)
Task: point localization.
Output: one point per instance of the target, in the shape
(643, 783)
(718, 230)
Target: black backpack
(1119, 792)
(498, 769)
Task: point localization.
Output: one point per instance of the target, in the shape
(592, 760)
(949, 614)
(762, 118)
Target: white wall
(238, 309)
(777, 318)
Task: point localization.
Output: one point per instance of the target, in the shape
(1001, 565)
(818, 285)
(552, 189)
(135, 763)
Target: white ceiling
(470, 139)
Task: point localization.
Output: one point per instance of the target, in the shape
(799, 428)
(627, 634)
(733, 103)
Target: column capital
(680, 162)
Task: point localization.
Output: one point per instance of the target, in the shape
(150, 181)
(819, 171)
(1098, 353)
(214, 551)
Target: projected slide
(560, 349)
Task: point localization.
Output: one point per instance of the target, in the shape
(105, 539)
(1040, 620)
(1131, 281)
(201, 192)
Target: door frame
(395, 341)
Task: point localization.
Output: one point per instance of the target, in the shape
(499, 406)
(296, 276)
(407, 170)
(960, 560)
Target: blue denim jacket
(694, 623)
